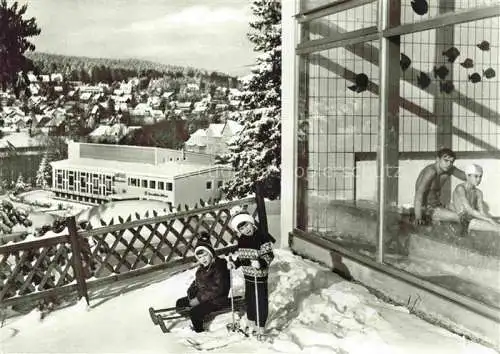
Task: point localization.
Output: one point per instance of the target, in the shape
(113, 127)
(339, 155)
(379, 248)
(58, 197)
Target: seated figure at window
(467, 202)
(427, 203)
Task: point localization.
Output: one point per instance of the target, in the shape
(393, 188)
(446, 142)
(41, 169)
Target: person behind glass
(210, 288)
(254, 256)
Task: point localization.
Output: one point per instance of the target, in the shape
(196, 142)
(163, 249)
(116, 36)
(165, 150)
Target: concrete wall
(426, 303)
(188, 190)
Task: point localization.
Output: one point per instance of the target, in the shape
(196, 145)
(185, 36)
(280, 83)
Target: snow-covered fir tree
(43, 173)
(20, 185)
(255, 153)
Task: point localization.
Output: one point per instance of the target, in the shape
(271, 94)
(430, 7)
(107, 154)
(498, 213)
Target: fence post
(77, 258)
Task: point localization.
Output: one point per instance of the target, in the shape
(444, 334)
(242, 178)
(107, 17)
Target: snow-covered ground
(47, 197)
(312, 310)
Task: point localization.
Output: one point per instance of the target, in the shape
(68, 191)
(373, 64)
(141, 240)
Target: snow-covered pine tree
(20, 186)
(255, 153)
(42, 175)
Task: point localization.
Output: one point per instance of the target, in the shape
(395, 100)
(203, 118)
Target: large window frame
(387, 32)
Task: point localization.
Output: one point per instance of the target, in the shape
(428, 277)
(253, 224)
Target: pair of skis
(235, 327)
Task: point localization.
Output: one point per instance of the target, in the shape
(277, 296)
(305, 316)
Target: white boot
(260, 333)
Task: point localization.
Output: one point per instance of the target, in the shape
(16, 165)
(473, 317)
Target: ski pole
(232, 296)
(257, 305)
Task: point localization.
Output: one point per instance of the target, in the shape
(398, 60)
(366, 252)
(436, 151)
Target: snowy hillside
(311, 310)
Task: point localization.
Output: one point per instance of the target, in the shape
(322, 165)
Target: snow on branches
(43, 173)
(255, 153)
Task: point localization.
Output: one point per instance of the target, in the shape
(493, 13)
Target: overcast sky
(208, 34)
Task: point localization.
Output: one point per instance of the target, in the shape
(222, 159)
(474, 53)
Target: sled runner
(159, 316)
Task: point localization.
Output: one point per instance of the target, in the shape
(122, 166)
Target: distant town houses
(111, 133)
(214, 139)
(106, 112)
(97, 173)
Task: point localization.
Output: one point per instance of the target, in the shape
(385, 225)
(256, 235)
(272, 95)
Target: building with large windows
(371, 91)
(97, 173)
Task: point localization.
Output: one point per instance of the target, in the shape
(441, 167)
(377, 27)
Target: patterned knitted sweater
(254, 247)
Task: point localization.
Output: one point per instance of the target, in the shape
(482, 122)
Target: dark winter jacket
(255, 247)
(211, 283)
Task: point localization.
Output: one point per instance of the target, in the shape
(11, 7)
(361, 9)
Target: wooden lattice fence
(121, 248)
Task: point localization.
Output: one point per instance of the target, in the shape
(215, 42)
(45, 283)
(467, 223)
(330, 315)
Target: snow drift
(311, 310)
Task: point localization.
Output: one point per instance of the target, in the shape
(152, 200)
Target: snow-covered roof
(231, 128)
(184, 105)
(107, 130)
(34, 88)
(32, 77)
(142, 107)
(169, 169)
(156, 112)
(56, 121)
(42, 119)
(56, 77)
(234, 92)
(99, 131)
(85, 96)
(36, 99)
(215, 130)
(21, 139)
(198, 138)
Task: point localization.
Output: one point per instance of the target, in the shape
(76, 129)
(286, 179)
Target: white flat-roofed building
(97, 173)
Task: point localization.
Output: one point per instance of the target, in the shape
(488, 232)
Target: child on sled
(209, 291)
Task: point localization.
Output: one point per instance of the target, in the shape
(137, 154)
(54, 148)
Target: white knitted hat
(240, 218)
(474, 170)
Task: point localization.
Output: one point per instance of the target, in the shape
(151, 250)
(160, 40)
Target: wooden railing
(121, 248)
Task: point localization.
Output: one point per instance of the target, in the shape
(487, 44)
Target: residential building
(97, 173)
(214, 139)
(32, 78)
(184, 107)
(56, 77)
(91, 89)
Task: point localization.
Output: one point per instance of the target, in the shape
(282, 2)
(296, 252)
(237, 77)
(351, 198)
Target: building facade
(97, 173)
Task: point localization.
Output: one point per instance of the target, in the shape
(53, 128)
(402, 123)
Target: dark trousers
(262, 298)
(198, 313)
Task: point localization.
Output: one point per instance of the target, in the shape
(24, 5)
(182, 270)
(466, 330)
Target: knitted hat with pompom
(204, 244)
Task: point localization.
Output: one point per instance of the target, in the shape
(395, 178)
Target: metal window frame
(387, 32)
(342, 39)
(371, 33)
(462, 300)
(329, 9)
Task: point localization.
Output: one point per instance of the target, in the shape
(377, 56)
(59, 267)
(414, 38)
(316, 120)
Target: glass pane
(427, 9)
(345, 21)
(336, 182)
(449, 104)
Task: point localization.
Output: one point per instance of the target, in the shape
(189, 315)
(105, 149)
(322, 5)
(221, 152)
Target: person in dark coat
(209, 291)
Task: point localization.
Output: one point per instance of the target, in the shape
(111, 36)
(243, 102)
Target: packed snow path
(312, 310)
